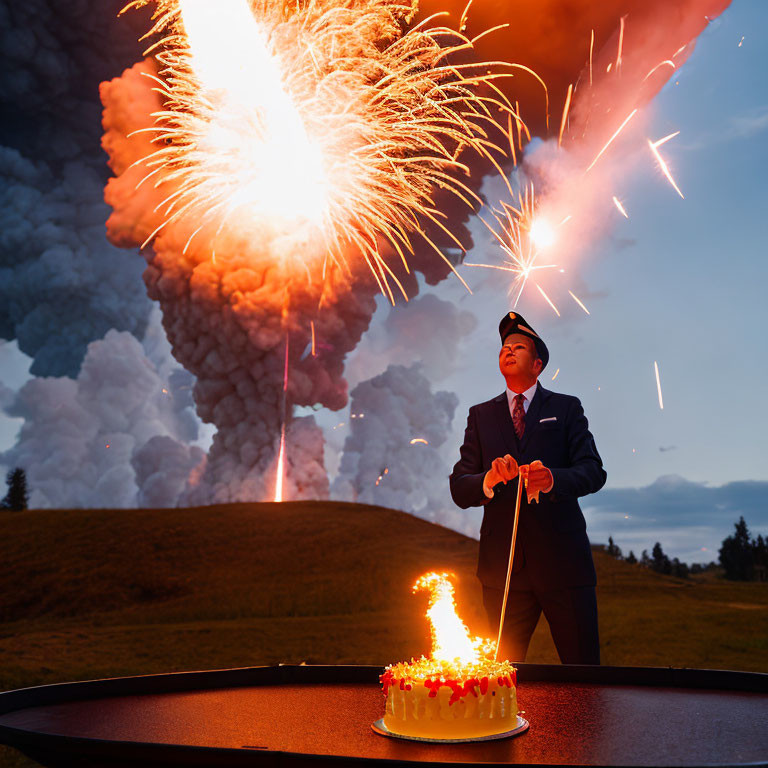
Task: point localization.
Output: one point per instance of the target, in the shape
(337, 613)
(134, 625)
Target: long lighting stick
(511, 558)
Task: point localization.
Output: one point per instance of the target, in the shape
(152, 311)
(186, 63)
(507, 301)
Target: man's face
(518, 358)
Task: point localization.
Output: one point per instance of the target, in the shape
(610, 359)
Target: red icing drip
(458, 689)
(458, 692)
(386, 680)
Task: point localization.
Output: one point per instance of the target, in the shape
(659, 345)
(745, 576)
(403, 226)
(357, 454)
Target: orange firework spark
(578, 301)
(314, 114)
(618, 204)
(621, 43)
(654, 145)
(565, 114)
(419, 440)
(556, 373)
(548, 300)
(280, 473)
(610, 141)
(668, 62)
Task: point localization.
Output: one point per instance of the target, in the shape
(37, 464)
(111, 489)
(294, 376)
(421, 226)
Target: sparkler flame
(451, 641)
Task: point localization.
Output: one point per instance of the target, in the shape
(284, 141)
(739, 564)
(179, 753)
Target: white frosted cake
(428, 700)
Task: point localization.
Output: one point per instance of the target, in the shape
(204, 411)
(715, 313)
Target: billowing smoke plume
(553, 38)
(392, 452)
(61, 284)
(427, 330)
(241, 304)
(116, 436)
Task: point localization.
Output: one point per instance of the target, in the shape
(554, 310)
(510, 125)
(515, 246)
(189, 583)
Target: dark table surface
(572, 722)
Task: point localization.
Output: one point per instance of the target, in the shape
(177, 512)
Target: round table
(322, 715)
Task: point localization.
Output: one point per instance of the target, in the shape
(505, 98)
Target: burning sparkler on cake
(460, 692)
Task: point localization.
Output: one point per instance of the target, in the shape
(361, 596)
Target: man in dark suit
(542, 438)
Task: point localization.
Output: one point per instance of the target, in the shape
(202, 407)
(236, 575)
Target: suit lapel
(506, 427)
(532, 415)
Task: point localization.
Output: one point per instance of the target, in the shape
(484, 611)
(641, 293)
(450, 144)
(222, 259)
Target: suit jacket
(551, 541)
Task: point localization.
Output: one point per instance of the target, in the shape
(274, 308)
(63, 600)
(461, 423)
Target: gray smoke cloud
(117, 435)
(427, 329)
(62, 285)
(381, 464)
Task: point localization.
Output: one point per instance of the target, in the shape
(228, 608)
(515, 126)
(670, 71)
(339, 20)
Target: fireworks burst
(317, 114)
(574, 177)
(522, 237)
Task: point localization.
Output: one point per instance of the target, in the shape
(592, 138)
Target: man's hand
(537, 478)
(503, 469)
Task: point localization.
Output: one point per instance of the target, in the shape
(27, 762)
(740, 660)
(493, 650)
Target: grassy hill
(99, 593)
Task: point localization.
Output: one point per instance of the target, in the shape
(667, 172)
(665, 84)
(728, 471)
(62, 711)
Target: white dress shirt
(528, 395)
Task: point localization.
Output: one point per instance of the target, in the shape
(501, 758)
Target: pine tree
(16, 498)
(737, 555)
(631, 559)
(760, 551)
(645, 561)
(613, 549)
(660, 562)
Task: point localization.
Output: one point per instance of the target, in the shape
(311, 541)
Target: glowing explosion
(262, 150)
(316, 114)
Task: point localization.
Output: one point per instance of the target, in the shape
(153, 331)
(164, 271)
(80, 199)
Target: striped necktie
(518, 416)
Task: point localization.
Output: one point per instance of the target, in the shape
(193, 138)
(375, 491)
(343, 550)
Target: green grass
(101, 593)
